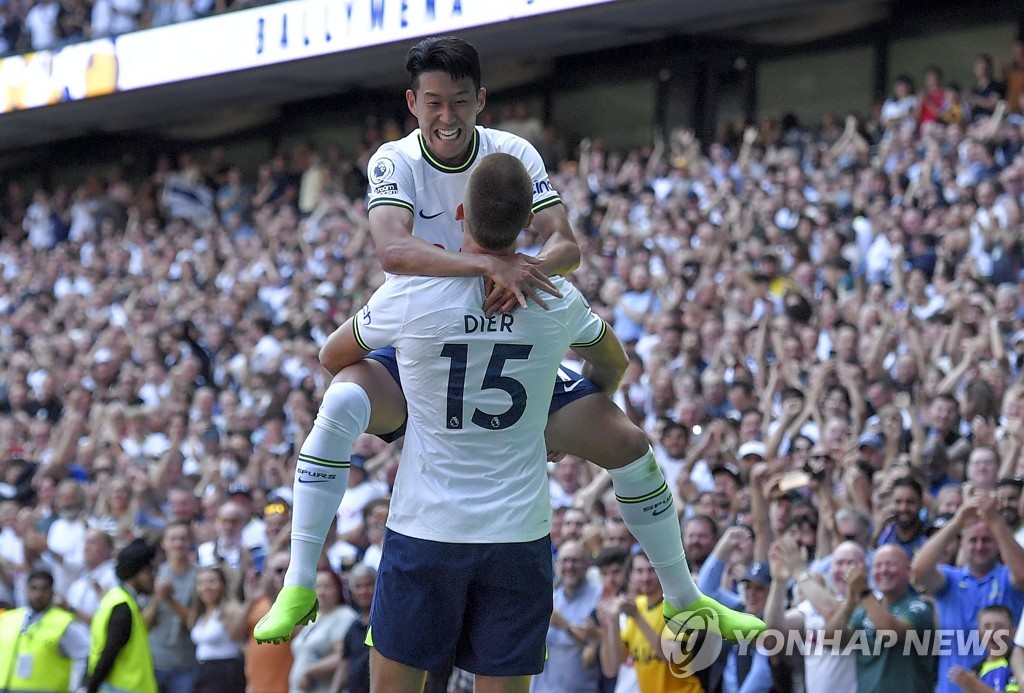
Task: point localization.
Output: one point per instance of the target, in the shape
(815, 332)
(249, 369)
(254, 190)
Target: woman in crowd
(316, 647)
(217, 627)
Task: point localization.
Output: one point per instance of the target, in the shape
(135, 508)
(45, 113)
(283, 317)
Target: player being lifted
(416, 185)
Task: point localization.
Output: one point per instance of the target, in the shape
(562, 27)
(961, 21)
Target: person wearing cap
(751, 452)
(891, 609)
(746, 669)
(43, 648)
(871, 449)
(120, 660)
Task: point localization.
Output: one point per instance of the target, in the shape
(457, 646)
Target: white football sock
(646, 505)
(321, 476)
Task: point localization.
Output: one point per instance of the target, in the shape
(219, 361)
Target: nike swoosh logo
(304, 480)
(431, 216)
(659, 512)
(570, 388)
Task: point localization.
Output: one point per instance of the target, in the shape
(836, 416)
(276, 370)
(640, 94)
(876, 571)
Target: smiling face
(891, 570)
(446, 111)
(907, 504)
(209, 587)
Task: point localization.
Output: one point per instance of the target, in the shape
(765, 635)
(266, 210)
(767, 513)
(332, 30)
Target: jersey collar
(474, 149)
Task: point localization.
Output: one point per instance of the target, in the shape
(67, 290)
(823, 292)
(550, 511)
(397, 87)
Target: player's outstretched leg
(594, 428)
(321, 477)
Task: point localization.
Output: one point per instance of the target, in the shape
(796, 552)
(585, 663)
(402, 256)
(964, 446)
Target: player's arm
(604, 361)
(342, 348)
(560, 253)
(402, 253)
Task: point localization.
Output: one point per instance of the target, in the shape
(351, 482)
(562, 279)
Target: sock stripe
(324, 463)
(640, 499)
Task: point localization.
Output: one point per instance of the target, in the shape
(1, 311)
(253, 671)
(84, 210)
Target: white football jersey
(473, 468)
(405, 174)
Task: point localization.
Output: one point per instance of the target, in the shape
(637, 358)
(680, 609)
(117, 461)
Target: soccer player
(416, 184)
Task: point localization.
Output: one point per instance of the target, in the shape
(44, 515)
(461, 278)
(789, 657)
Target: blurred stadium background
(608, 69)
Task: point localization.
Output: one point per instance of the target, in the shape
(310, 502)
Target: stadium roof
(237, 98)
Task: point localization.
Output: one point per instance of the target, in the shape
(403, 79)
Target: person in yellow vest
(42, 647)
(120, 660)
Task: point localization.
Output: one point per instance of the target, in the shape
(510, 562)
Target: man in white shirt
(417, 187)
(467, 554)
(85, 593)
(824, 670)
(65, 540)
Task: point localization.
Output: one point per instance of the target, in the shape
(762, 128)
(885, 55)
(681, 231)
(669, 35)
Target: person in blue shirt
(992, 674)
(961, 592)
(905, 529)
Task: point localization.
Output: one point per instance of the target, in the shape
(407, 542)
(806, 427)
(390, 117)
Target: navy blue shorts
(569, 386)
(483, 607)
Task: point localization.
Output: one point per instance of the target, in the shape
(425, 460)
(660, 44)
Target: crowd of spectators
(48, 24)
(825, 331)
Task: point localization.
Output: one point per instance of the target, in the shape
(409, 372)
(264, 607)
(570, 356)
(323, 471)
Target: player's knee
(635, 442)
(348, 405)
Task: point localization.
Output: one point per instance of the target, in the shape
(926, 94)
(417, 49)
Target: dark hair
(998, 609)
(701, 517)
(987, 59)
(225, 584)
(613, 555)
(336, 581)
(447, 54)
(906, 79)
(910, 483)
(799, 521)
(41, 575)
(499, 198)
(632, 559)
(1011, 481)
(371, 505)
(180, 523)
(788, 392)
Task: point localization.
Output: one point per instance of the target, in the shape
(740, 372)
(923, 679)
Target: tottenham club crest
(382, 171)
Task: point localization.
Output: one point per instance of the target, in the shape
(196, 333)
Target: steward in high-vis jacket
(42, 648)
(120, 660)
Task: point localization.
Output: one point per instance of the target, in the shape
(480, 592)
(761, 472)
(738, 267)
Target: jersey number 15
(493, 380)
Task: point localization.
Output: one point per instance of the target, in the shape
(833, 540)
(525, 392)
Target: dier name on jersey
(482, 323)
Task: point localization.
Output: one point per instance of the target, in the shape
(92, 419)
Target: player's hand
(520, 275)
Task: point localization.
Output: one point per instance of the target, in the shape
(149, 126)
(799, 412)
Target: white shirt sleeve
(380, 321)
